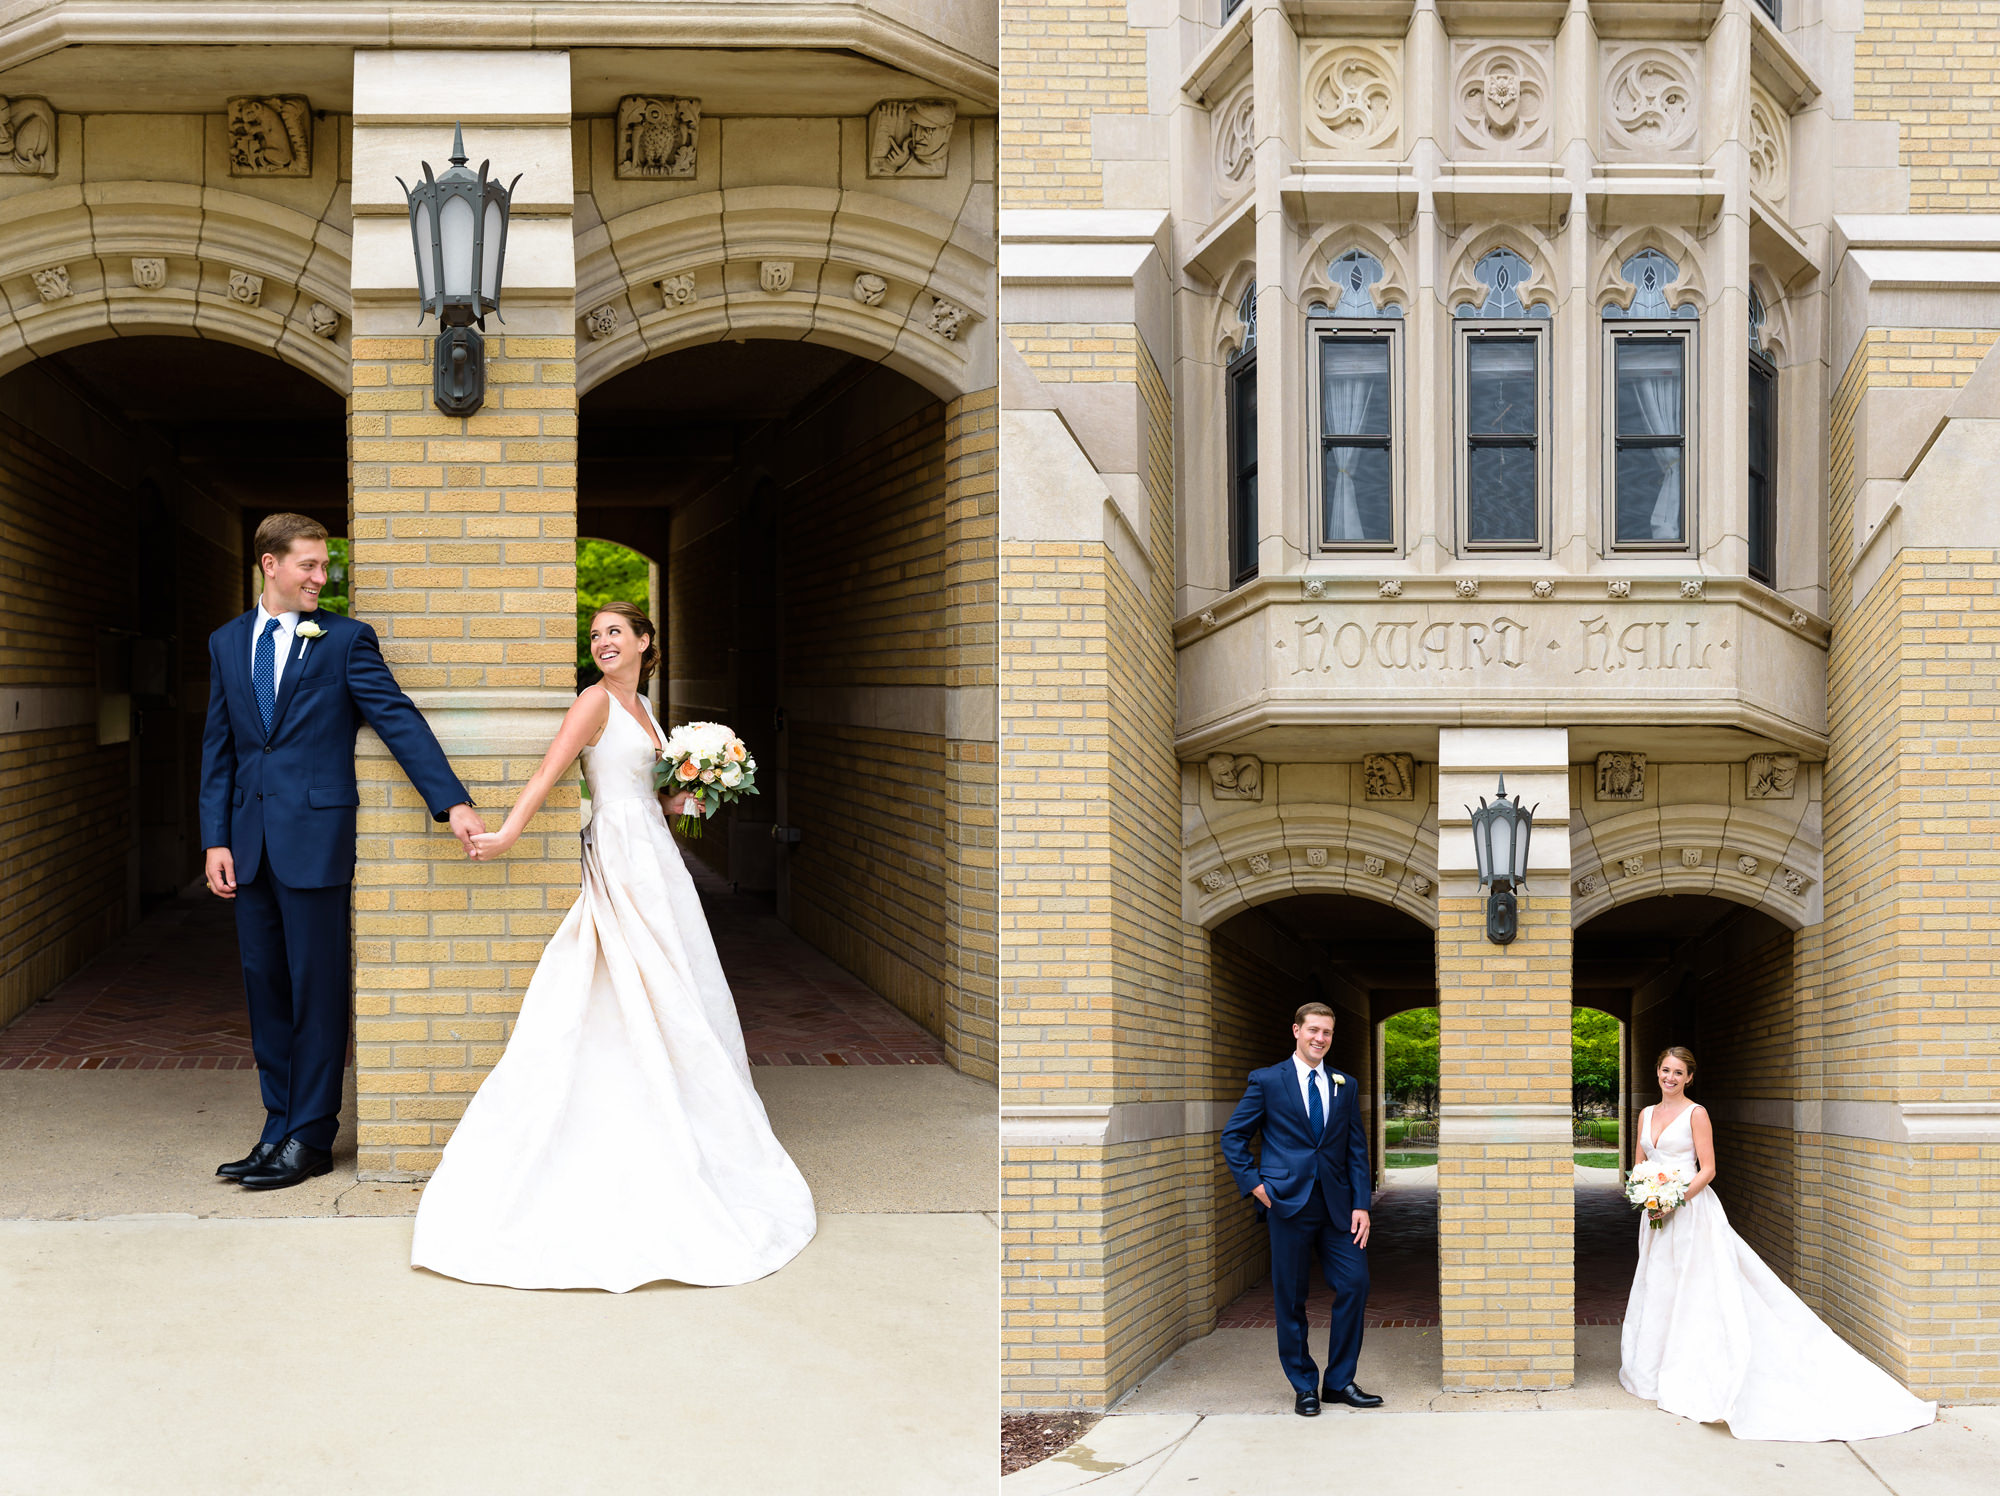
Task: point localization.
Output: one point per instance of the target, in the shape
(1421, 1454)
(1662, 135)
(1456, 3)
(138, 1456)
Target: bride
(1710, 1331)
(619, 1140)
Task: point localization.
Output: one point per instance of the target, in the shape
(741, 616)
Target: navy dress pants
(295, 975)
(1298, 1242)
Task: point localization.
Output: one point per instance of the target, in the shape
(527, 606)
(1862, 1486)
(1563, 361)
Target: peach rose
(687, 770)
(736, 750)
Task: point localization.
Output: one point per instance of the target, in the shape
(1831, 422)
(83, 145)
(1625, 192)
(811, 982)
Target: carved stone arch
(285, 263)
(1314, 283)
(877, 277)
(1226, 331)
(1757, 859)
(1462, 285)
(1776, 343)
(1689, 288)
(1261, 854)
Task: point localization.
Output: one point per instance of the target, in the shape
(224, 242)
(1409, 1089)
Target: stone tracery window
(1501, 370)
(1355, 348)
(1649, 356)
(1242, 443)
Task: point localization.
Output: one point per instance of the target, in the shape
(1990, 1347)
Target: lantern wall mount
(458, 226)
(1500, 834)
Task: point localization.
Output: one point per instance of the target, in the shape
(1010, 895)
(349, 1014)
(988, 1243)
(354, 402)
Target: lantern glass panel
(1481, 819)
(489, 267)
(1521, 849)
(455, 221)
(1501, 857)
(420, 226)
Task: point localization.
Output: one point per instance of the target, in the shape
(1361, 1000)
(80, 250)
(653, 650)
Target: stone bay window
(1501, 378)
(1649, 348)
(1356, 365)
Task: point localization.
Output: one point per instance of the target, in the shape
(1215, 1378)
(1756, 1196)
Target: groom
(1311, 1185)
(289, 687)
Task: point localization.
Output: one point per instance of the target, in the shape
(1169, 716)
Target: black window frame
(1683, 332)
(1242, 372)
(1536, 333)
(1387, 332)
(1761, 522)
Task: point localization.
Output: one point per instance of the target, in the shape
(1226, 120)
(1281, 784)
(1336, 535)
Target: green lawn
(1598, 1160)
(1395, 1132)
(1408, 1160)
(1604, 1129)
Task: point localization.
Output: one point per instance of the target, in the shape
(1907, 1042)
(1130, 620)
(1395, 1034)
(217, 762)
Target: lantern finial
(458, 157)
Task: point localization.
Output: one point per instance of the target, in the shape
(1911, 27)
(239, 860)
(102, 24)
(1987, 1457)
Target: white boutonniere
(307, 631)
(1337, 1078)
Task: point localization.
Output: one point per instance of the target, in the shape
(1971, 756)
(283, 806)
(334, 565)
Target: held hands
(467, 827)
(484, 846)
(219, 871)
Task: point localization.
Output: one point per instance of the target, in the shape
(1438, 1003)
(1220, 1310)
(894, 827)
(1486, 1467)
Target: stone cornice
(35, 28)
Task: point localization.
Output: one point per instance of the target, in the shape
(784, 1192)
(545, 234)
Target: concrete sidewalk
(176, 1357)
(1586, 1452)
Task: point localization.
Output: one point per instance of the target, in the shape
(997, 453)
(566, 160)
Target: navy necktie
(1315, 1113)
(264, 674)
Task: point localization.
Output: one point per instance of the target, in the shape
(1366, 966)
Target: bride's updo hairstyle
(1686, 1057)
(639, 624)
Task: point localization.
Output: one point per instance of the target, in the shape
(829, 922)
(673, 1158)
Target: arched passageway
(132, 470)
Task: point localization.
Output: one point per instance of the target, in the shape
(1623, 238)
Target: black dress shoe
(293, 1163)
(255, 1159)
(1306, 1405)
(1353, 1396)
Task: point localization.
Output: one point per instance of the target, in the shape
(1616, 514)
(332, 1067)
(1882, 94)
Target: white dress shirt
(283, 643)
(1308, 1076)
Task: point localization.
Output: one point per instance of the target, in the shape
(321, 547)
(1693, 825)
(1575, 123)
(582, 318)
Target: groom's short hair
(1311, 1010)
(279, 532)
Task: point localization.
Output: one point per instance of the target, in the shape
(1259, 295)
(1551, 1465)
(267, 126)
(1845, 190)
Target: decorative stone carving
(1315, 856)
(246, 289)
(910, 137)
(1771, 776)
(1618, 587)
(149, 272)
(1422, 886)
(1649, 99)
(678, 290)
(1235, 777)
(1466, 587)
(1260, 862)
(657, 138)
(1389, 588)
(1692, 589)
(1374, 866)
(602, 321)
(946, 318)
(1315, 588)
(1235, 126)
(52, 284)
(775, 276)
(1621, 776)
(1795, 882)
(1213, 881)
(1208, 618)
(1799, 618)
(1500, 284)
(1586, 885)
(1388, 776)
(1351, 98)
(1502, 94)
(270, 135)
(323, 320)
(869, 289)
(1633, 865)
(1544, 589)
(1690, 857)
(27, 137)
(1770, 148)
(1747, 866)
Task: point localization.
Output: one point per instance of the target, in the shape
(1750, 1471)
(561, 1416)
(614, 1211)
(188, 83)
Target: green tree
(606, 572)
(1593, 1057)
(1410, 1057)
(334, 596)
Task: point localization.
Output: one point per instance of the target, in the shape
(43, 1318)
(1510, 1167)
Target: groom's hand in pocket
(1261, 1197)
(1358, 1228)
(220, 872)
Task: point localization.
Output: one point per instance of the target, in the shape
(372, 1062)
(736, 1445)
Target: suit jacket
(290, 796)
(1293, 1160)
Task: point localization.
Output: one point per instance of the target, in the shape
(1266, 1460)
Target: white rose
(731, 777)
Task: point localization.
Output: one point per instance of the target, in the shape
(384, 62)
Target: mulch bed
(1029, 1438)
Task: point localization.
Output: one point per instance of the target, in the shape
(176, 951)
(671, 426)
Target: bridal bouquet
(706, 760)
(1657, 1187)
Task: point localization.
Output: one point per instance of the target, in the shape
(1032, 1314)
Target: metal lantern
(458, 224)
(1500, 834)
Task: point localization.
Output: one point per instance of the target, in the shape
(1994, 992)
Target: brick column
(1506, 1191)
(464, 561)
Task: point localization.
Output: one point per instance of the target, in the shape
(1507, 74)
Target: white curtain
(1652, 372)
(1351, 374)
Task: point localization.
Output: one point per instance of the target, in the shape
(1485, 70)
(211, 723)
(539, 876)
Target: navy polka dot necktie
(264, 674)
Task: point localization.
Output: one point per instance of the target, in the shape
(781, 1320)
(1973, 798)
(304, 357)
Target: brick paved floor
(1403, 1260)
(168, 996)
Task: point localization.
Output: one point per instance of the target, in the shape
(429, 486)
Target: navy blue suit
(284, 803)
(1315, 1185)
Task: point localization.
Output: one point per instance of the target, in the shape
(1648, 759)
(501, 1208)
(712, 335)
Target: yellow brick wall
(1506, 1213)
(1933, 66)
(1060, 63)
(1908, 1259)
(464, 561)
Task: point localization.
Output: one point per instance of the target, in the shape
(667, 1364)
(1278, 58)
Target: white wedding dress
(1713, 1334)
(619, 1141)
